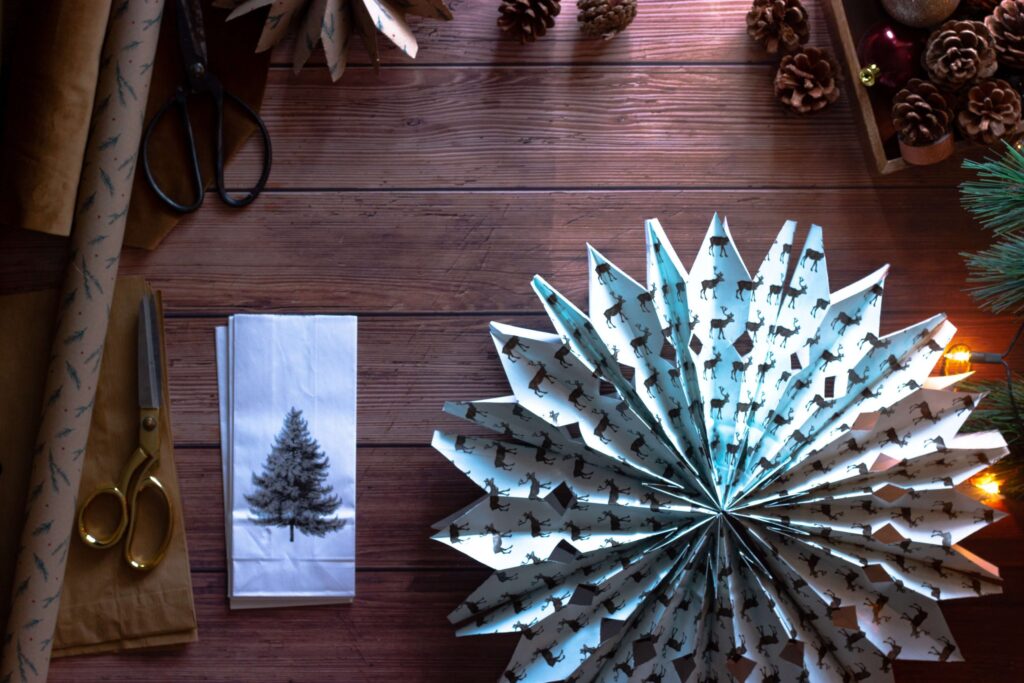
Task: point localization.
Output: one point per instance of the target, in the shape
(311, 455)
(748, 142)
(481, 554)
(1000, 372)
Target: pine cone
(1006, 24)
(528, 20)
(990, 112)
(605, 18)
(806, 80)
(920, 113)
(958, 53)
(778, 25)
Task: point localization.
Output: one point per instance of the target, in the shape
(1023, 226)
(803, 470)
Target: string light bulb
(987, 483)
(959, 358)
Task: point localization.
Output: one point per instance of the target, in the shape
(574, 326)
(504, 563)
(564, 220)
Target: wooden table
(422, 200)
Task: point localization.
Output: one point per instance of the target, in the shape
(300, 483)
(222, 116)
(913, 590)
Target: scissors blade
(150, 368)
(192, 38)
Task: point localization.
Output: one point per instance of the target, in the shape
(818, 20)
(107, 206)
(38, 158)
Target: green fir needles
(996, 412)
(996, 198)
(998, 275)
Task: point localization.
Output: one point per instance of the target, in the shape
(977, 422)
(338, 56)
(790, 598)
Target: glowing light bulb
(957, 360)
(987, 483)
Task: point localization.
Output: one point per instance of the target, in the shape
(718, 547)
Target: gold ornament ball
(920, 13)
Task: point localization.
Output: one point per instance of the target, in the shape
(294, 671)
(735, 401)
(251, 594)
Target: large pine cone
(1007, 26)
(990, 112)
(807, 80)
(605, 18)
(958, 53)
(920, 113)
(778, 25)
(528, 20)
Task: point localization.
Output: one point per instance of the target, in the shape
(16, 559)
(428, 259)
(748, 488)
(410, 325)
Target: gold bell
(869, 75)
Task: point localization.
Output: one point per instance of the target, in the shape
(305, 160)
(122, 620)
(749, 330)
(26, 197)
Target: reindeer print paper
(720, 475)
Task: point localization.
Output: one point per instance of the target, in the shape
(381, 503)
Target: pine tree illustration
(291, 491)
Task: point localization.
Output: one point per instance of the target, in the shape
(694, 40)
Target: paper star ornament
(720, 476)
(332, 23)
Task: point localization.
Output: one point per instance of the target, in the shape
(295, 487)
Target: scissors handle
(135, 478)
(138, 560)
(180, 102)
(255, 190)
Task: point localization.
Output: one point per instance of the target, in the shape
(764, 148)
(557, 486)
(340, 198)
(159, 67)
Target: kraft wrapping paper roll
(51, 94)
(77, 350)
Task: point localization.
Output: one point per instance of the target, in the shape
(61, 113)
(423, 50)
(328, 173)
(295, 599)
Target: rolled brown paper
(54, 64)
(77, 349)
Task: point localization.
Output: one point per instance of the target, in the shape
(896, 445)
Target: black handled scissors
(199, 81)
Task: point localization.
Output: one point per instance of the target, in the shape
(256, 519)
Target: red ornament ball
(890, 55)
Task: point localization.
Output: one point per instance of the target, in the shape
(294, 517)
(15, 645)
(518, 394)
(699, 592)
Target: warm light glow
(987, 483)
(957, 360)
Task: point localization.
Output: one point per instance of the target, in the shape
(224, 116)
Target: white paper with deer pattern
(720, 474)
(288, 424)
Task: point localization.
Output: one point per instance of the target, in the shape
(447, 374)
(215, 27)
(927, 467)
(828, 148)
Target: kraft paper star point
(720, 476)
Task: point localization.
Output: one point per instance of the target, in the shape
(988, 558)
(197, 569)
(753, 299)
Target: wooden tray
(847, 21)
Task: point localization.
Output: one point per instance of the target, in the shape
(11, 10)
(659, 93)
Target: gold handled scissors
(136, 477)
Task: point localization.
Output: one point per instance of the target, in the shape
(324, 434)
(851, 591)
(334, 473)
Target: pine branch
(995, 412)
(996, 198)
(998, 273)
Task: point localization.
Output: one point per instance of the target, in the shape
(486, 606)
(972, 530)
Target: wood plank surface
(427, 252)
(423, 198)
(554, 127)
(695, 31)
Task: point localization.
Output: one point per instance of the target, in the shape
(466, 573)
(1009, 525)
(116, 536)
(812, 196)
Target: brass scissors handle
(135, 478)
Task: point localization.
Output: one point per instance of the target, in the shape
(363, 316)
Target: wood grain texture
(556, 127)
(459, 251)
(695, 31)
(423, 199)
(397, 631)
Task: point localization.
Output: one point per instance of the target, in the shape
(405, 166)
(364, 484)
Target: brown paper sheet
(106, 606)
(48, 104)
(242, 73)
(78, 342)
(25, 337)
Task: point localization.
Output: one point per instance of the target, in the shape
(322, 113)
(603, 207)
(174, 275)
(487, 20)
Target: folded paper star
(333, 22)
(720, 476)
